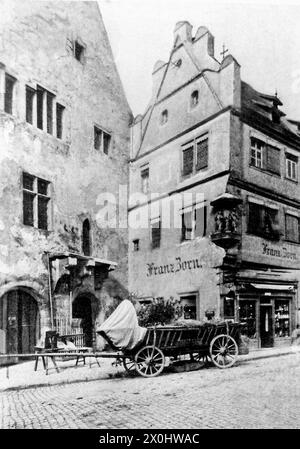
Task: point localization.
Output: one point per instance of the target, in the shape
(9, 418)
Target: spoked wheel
(199, 358)
(149, 361)
(223, 351)
(129, 365)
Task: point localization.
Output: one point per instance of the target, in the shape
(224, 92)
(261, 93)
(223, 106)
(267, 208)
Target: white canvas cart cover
(122, 327)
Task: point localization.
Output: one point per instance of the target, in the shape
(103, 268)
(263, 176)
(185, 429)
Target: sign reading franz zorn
(178, 265)
(281, 252)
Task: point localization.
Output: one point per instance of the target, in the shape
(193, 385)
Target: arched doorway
(82, 309)
(19, 322)
(86, 237)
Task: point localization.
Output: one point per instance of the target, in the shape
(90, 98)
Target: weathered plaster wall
(34, 48)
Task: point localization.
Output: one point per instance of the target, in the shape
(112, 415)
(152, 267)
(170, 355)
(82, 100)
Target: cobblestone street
(256, 394)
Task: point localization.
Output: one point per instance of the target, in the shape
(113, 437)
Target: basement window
(8, 96)
(36, 200)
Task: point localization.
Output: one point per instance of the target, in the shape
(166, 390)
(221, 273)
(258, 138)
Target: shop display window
(282, 318)
(247, 312)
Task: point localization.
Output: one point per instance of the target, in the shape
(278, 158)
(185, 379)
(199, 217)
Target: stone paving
(262, 393)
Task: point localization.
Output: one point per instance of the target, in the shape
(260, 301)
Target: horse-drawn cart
(145, 349)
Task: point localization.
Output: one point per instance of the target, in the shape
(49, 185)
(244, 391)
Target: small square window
(78, 51)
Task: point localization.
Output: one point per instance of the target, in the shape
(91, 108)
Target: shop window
(292, 228)
(282, 318)
(155, 232)
(193, 222)
(195, 155)
(247, 315)
(263, 221)
(35, 202)
(145, 180)
(30, 93)
(291, 166)
(9, 91)
(188, 303)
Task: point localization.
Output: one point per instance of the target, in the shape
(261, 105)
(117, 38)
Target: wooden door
(266, 326)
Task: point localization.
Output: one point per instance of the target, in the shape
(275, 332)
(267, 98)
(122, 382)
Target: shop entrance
(82, 311)
(19, 322)
(266, 326)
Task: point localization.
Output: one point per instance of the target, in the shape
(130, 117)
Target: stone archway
(19, 322)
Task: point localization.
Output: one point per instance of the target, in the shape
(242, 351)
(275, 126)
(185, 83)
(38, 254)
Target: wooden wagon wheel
(129, 365)
(200, 358)
(149, 361)
(223, 351)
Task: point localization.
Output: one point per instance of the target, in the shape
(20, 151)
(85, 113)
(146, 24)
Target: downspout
(50, 291)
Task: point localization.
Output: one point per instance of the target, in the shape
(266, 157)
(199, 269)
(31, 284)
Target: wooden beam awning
(90, 261)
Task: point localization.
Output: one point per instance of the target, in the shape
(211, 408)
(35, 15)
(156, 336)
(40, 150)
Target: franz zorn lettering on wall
(174, 267)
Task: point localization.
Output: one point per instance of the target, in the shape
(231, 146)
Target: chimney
(182, 33)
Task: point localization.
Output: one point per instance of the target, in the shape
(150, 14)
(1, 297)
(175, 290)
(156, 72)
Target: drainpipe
(50, 291)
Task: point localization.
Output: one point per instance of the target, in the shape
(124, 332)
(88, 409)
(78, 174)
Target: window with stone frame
(36, 199)
(291, 166)
(155, 225)
(193, 221)
(102, 140)
(263, 221)
(30, 95)
(292, 228)
(9, 93)
(195, 155)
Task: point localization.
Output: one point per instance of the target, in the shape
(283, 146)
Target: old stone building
(64, 140)
(214, 209)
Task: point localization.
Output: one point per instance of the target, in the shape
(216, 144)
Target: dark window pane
(28, 181)
(228, 307)
(28, 206)
(188, 158)
(200, 227)
(8, 97)
(42, 212)
(97, 138)
(194, 98)
(106, 142)
(271, 227)
(255, 222)
(187, 225)
(78, 51)
(59, 120)
(292, 228)
(43, 187)
(145, 180)
(86, 244)
(202, 154)
(39, 106)
(155, 233)
(49, 113)
(29, 104)
(273, 159)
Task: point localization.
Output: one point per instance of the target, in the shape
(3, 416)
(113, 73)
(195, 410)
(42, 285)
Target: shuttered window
(195, 155)
(188, 160)
(292, 229)
(263, 221)
(202, 154)
(273, 159)
(200, 221)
